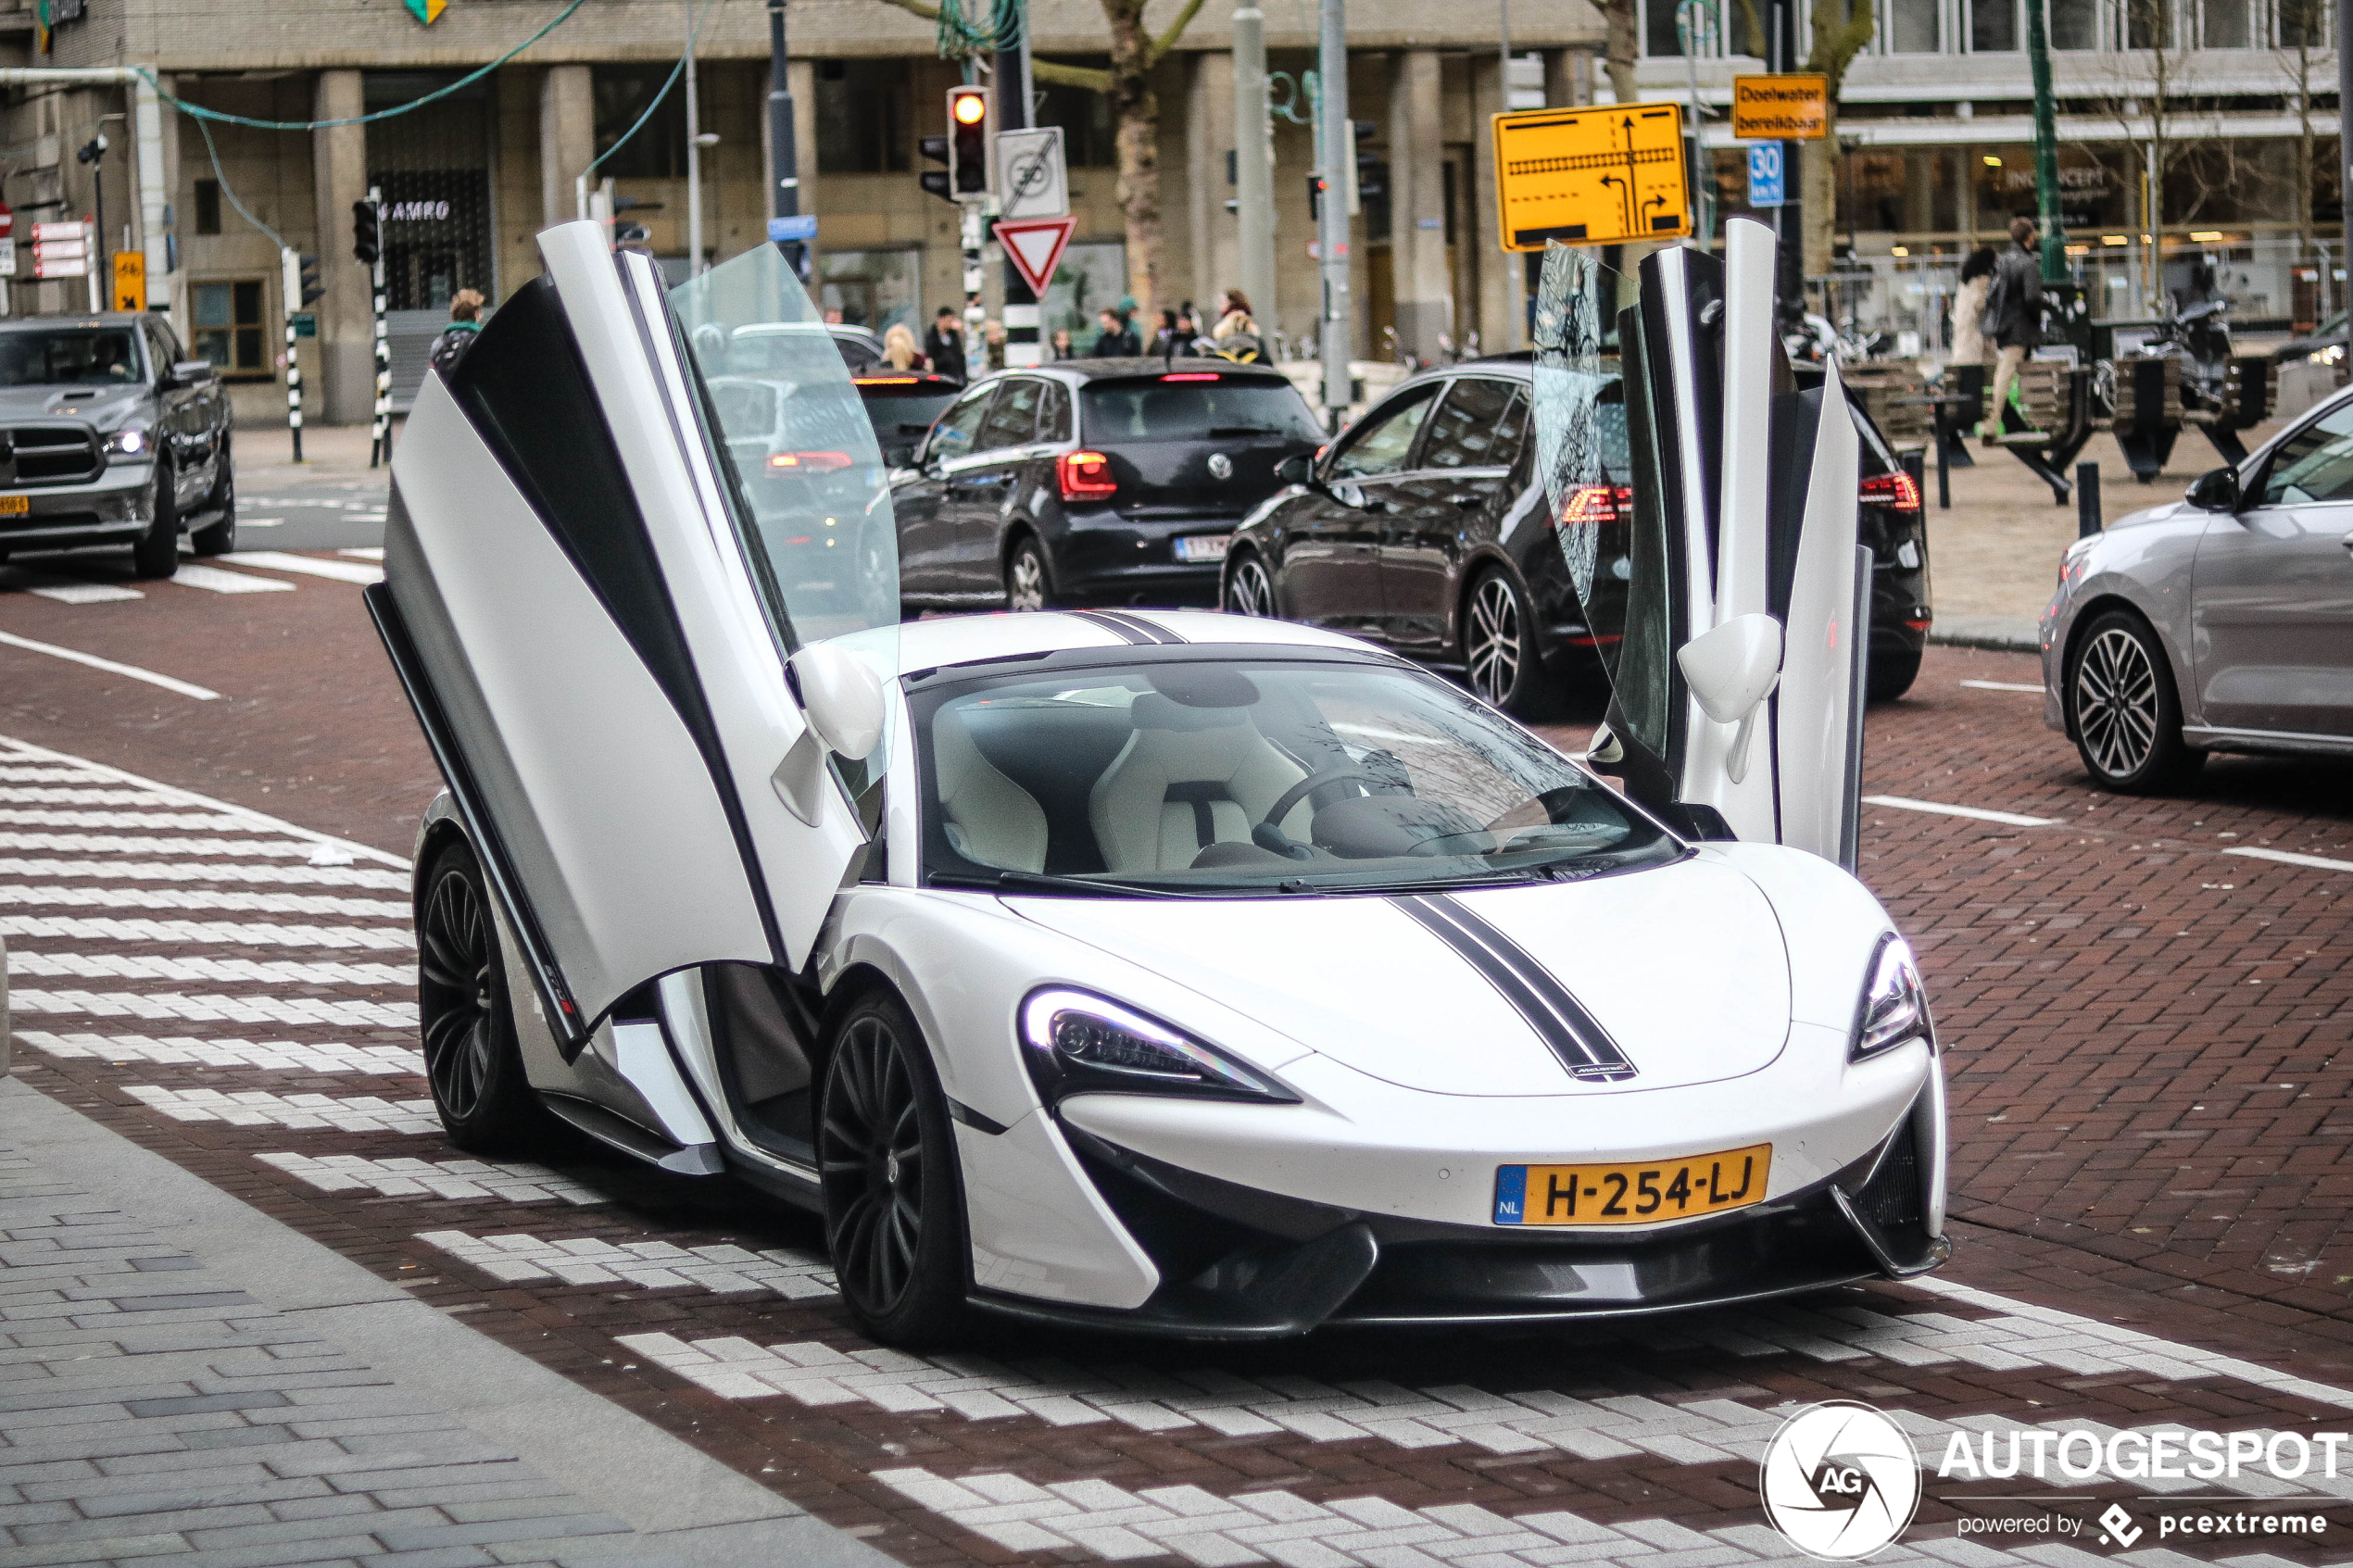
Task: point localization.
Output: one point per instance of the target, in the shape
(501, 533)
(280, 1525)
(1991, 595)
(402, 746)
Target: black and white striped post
(290, 268)
(380, 443)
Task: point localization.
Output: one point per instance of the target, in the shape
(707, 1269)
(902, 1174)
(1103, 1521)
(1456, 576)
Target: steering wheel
(1309, 786)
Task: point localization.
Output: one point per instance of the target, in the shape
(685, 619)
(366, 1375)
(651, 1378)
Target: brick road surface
(2143, 1025)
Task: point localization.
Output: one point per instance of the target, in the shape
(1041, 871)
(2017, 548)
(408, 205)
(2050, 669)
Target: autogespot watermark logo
(1840, 1481)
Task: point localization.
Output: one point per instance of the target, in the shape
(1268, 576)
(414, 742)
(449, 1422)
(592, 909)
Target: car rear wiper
(1046, 882)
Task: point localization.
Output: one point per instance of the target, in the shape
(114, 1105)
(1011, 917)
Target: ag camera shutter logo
(1840, 1481)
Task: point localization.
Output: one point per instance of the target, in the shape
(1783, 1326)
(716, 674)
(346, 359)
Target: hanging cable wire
(197, 111)
(961, 38)
(227, 190)
(672, 81)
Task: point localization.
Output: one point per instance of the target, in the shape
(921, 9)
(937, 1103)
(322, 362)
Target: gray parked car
(2222, 622)
(110, 434)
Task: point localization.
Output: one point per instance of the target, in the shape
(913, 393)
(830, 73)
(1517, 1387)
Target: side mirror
(1297, 468)
(1732, 669)
(189, 372)
(842, 697)
(2217, 490)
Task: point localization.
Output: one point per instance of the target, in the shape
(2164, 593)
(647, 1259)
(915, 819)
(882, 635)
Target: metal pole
(1337, 331)
(2046, 186)
(1023, 346)
(290, 296)
(1254, 164)
(379, 437)
(2344, 142)
(1789, 218)
(785, 200)
(694, 155)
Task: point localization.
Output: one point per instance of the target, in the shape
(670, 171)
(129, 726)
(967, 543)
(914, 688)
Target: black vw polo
(1092, 481)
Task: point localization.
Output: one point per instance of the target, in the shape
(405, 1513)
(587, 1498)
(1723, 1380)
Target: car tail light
(1086, 476)
(1193, 375)
(808, 462)
(1590, 506)
(885, 381)
(1895, 491)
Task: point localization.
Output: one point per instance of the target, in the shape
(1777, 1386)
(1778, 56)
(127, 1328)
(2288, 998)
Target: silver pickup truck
(109, 434)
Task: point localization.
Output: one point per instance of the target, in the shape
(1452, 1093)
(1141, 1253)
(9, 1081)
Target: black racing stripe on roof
(1119, 629)
(1132, 629)
(1575, 1035)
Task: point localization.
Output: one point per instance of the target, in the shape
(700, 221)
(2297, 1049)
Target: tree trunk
(1136, 113)
(1625, 46)
(1817, 186)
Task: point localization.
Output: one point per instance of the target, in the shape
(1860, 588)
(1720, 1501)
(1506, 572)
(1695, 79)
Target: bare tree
(1135, 50)
(2155, 101)
(1624, 44)
(2310, 68)
(1843, 29)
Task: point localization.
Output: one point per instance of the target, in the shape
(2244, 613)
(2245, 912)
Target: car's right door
(2272, 593)
(1331, 552)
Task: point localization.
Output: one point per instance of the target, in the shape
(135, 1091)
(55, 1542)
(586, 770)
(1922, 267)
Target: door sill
(2218, 738)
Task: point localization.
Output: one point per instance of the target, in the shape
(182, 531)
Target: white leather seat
(990, 819)
(1187, 777)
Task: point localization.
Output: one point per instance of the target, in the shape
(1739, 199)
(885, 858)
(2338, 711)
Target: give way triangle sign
(1035, 247)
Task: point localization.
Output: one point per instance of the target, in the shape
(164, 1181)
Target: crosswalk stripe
(309, 566)
(37, 774)
(86, 593)
(371, 552)
(38, 897)
(259, 1108)
(61, 817)
(161, 871)
(453, 1179)
(108, 844)
(62, 795)
(149, 966)
(332, 1014)
(212, 580)
(221, 933)
(651, 1265)
(271, 1056)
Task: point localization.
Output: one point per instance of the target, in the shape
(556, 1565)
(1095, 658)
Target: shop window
(208, 206)
(1993, 25)
(228, 324)
(657, 152)
(861, 117)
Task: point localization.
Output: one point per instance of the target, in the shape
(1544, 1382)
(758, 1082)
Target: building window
(2148, 24)
(861, 117)
(2304, 24)
(1659, 34)
(1912, 27)
(208, 206)
(2075, 24)
(657, 152)
(1993, 25)
(1084, 117)
(2225, 24)
(228, 323)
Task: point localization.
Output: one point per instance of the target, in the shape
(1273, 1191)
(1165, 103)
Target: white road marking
(50, 817)
(1976, 813)
(87, 592)
(259, 1108)
(2004, 686)
(370, 552)
(200, 898)
(113, 843)
(164, 870)
(212, 580)
(49, 775)
(334, 1015)
(174, 794)
(252, 971)
(262, 522)
(455, 1179)
(310, 566)
(87, 794)
(206, 932)
(653, 1265)
(74, 656)
(269, 1055)
(2287, 857)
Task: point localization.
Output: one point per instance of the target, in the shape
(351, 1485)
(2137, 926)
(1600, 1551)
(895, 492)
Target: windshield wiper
(1045, 882)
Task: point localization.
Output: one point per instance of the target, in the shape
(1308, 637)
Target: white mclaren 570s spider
(1183, 972)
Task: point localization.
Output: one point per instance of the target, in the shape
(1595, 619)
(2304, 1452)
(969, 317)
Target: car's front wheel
(473, 1063)
(158, 552)
(2123, 710)
(1499, 654)
(885, 1156)
(1250, 588)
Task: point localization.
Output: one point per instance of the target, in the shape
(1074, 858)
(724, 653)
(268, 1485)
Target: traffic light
(311, 287)
(935, 181)
(1315, 187)
(366, 232)
(968, 141)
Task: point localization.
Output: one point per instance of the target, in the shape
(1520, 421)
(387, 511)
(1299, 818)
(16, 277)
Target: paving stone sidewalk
(150, 1409)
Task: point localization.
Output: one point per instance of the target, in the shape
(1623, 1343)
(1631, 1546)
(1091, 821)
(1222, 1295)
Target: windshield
(807, 483)
(83, 357)
(1254, 776)
(1162, 408)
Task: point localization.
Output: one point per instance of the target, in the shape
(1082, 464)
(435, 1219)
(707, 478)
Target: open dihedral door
(1720, 573)
(591, 606)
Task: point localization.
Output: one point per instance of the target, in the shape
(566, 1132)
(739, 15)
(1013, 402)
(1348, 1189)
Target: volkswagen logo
(1840, 1480)
(1220, 466)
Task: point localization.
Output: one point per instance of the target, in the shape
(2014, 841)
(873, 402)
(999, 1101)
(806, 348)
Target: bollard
(2087, 500)
(1945, 438)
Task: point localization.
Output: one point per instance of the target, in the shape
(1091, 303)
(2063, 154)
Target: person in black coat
(2013, 319)
(944, 344)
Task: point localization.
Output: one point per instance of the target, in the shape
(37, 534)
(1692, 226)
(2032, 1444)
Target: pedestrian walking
(944, 344)
(465, 325)
(1969, 305)
(2013, 319)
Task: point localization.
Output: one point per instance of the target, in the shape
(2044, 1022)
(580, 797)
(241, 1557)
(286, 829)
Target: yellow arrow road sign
(1597, 176)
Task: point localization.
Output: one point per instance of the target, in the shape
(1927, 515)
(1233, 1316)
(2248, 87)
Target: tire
(220, 538)
(1891, 674)
(156, 554)
(2123, 710)
(1248, 589)
(1029, 581)
(896, 1235)
(465, 1019)
(1499, 652)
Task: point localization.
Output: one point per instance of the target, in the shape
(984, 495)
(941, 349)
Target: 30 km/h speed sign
(1592, 177)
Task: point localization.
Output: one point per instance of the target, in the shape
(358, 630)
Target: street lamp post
(785, 200)
(1338, 329)
(2046, 186)
(1012, 70)
(1253, 163)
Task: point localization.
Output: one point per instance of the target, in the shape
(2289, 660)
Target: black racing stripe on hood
(1575, 1035)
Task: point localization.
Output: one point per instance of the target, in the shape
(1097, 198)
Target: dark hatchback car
(1424, 528)
(1092, 481)
(901, 405)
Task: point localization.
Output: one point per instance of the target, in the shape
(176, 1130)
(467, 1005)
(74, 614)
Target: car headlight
(1894, 1010)
(130, 441)
(1075, 1043)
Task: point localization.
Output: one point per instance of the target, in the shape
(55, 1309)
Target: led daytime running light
(1893, 1009)
(1076, 1041)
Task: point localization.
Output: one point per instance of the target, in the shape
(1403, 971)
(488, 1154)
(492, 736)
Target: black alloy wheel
(1498, 653)
(1248, 589)
(886, 1157)
(219, 536)
(156, 554)
(2123, 711)
(473, 1063)
(1029, 585)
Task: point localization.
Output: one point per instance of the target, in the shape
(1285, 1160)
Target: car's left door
(1472, 439)
(2272, 593)
(980, 490)
(592, 612)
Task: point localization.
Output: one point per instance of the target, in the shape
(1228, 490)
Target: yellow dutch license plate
(15, 505)
(1632, 1195)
